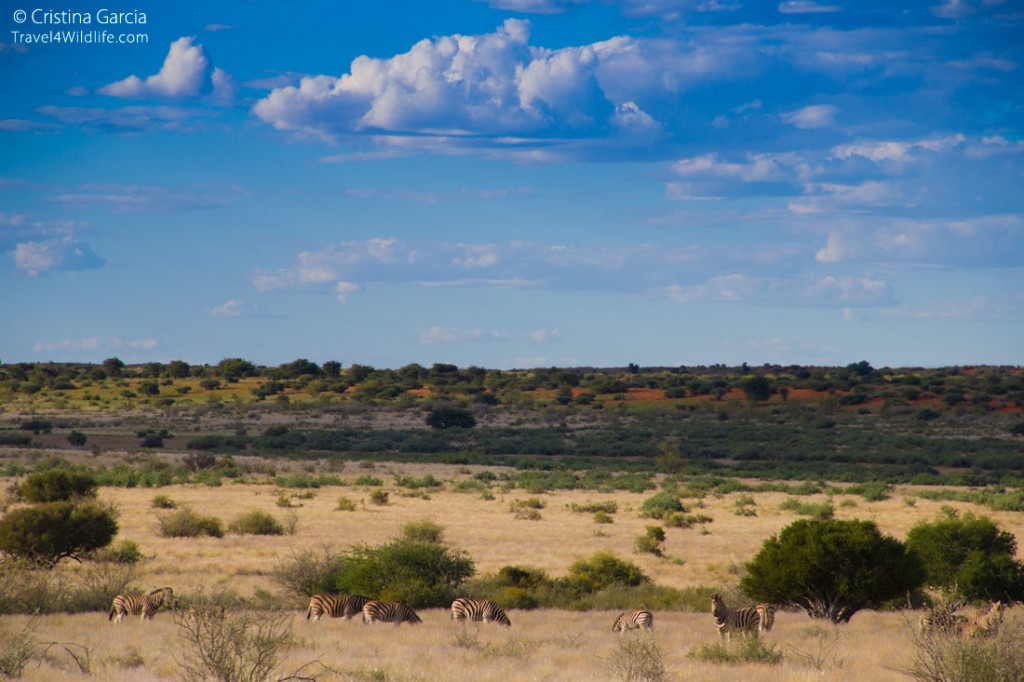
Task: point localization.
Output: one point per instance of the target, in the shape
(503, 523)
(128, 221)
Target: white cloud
(183, 74)
(66, 253)
(813, 116)
(448, 335)
(893, 150)
(545, 335)
(93, 343)
(342, 290)
(234, 307)
(820, 291)
(805, 7)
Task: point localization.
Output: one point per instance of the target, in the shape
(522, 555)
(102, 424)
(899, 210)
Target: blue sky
(515, 183)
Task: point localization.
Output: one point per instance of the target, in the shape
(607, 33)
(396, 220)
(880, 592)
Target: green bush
(651, 541)
(186, 523)
(423, 530)
(123, 552)
(256, 522)
(345, 504)
(16, 650)
(969, 555)
(746, 650)
(58, 485)
(379, 497)
(817, 510)
(163, 502)
(661, 504)
(601, 570)
(832, 568)
(307, 572)
(45, 534)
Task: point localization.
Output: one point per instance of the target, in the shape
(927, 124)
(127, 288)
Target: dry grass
(542, 645)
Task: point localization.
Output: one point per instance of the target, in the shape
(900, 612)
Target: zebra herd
(753, 620)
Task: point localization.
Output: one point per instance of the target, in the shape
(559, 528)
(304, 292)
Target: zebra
(479, 609)
(633, 620)
(744, 620)
(335, 605)
(374, 611)
(136, 604)
(765, 617)
(986, 623)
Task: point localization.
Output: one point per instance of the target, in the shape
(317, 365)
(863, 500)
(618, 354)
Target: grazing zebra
(374, 611)
(633, 620)
(136, 604)
(765, 617)
(744, 620)
(479, 609)
(335, 605)
(986, 623)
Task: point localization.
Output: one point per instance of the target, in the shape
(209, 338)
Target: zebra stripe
(633, 620)
(745, 620)
(374, 611)
(139, 604)
(479, 609)
(765, 616)
(335, 606)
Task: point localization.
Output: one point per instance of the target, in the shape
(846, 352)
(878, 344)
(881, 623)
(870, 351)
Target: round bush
(256, 522)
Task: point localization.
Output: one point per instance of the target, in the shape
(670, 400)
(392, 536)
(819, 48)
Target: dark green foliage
(58, 485)
(971, 554)
(757, 388)
(420, 574)
(441, 418)
(37, 426)
(832, 568)
(77, 438)
(601, 570)
(46, 533)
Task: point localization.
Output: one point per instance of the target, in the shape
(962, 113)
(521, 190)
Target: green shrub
(606, 507)
(424, 530)
(45, 534)
(601, 570)
(345, 504)
(16, 650)
(307, 572)
(185, 523)
(602, 517)
(58, 485)
(163, 502)
(937, 657)
(817, 510)
(651, 541)
(745, 650)
(368, 481)
(661, 504)
(379, 497)
(256, 522)
(831, 568)
(123, 552)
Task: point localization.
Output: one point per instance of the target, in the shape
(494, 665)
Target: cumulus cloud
(822, 291)
(342, 290)
(66, 253)
(183, 74)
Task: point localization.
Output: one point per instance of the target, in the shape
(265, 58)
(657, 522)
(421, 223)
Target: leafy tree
(77, 438)
(233, 369)
(832, 568)
(332, 369)
(970, 555)
(46, 533)
(178, 369)
(450, 417)
(113, 366)
(58, 485)
(757, 388)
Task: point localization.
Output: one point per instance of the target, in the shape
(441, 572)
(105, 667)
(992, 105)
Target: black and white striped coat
(479, 609)
(633, 620)
(744, 620)
(382, 612)
(766, 617)
(144, 605)
(342, 606)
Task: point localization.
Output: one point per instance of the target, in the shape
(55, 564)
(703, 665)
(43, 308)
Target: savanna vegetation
(852, 495)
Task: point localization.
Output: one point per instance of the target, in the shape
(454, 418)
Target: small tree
(58, 485)
(757, 388)
(46, 533)
(77, 438)
(450, 417)
(831, 568)
(603, 569)
(969, 555)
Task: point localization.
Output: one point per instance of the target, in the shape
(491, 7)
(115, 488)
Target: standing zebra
(136, 604)
(766, 617)
(744, 620)
(479, 609)
(374, 611)
(335, 606)
(633, 620)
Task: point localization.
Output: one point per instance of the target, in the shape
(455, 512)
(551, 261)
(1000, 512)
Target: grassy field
(542, 645)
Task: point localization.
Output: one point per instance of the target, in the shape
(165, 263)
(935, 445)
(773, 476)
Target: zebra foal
(479, 609)
(378, 611)
(139, 604)
(633, 620)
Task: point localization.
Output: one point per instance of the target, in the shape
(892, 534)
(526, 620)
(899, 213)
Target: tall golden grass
(541, 645)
